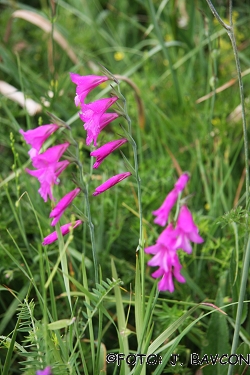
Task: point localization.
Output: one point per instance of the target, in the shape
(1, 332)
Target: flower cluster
(172, 239)
(48, 164)
(95, 118)
(48, 168)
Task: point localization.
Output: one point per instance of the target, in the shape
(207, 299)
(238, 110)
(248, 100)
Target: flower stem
(246, 257)
(84, 184)
(92, 234)
(139, 196)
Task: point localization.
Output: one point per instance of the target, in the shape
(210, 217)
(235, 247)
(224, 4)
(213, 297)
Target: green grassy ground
(173, 53)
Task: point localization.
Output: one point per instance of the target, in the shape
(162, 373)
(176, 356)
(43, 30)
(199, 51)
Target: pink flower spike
(46, 371)
(91, 114)
(182, 182)
(111, 182)
(102, 152)
(61, 206)
(163, 211)
(50, 156)
(64, 230)
(187, 231)
(84, 84)
(36, 137)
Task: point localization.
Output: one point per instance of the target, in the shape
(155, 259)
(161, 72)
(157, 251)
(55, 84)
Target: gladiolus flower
(91, 114)
(48, 169)
(163, 211)
(50, 156)
(182, 182)
(64, 230)
(36, 137)
(102, 152)
(166, 258)
(48, 177)
(105, 119)
(46, 371)
(61, 206)
(187, 231)
(84, 84)
(111, 182)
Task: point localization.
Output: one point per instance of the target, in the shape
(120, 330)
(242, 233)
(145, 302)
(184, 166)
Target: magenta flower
(46, 371)
(111, 182)
(48, 169)
(36, 137)
(182, 182)
(187, 231)
(84, 84)
(48, 177)
(102, 152)
(64, 230)
(50, 156)
(91, 114)
(166, 258)
(105, 119)
(163, 211)
(61, 206)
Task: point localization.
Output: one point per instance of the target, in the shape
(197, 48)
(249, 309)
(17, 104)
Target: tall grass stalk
(246, 257)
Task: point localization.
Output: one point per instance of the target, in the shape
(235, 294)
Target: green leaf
(63, 323)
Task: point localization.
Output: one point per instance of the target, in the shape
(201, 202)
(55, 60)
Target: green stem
(246, 257)
(92, 234)
(242, 99)
(64, 263)
(90, 224)
(84, 183)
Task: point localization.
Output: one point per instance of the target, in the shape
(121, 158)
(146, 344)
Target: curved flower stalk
(95, 118)
(172, 239)
(64, 230)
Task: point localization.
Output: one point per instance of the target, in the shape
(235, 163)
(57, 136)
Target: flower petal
(102, 152)
(182, 182)
(36, 137)
(64, 230)
(85, 84)
(111, 182)
(62, 205)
